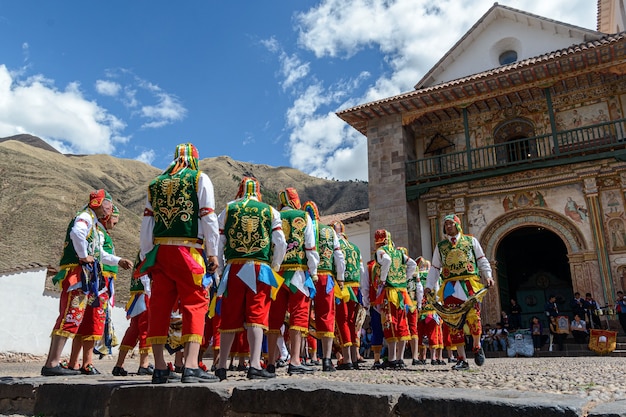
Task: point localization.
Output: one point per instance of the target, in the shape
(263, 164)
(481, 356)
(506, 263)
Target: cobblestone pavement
(594, 378)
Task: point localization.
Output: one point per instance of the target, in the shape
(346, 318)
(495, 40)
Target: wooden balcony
(569, 146)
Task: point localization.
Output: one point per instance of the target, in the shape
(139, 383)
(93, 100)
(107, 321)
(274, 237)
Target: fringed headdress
(185, 156)
(289, 198)
(249, 187)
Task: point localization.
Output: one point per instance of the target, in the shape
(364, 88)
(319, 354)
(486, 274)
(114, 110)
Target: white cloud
(65, 119)
(146, 156)
(108, 88)
(409, 35)
(167, 111)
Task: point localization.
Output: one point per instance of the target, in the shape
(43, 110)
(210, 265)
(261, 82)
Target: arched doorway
(532, 265)
(507, 238)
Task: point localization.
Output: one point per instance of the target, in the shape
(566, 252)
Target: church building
(519, 129)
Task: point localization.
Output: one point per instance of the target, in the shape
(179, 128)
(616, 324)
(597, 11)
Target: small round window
(507, 57)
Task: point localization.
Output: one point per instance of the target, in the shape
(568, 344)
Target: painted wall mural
(523, 199)
(575, 211)
(614, 219)
(583, 116)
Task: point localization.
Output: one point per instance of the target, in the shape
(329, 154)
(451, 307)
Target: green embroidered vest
(107, 246)
(457, 260)
(411, 286)
(326, 248)
(175, 204)
(396, 277)
(248, 231)
(294, 225)
(69, 256)
(353, 260)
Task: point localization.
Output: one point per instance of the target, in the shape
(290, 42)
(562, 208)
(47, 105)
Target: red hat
(289, 198)
(96, 198)
(380, 236)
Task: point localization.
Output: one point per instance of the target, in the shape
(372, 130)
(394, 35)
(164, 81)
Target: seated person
(487, 338)
(579, 329)
(501, 337)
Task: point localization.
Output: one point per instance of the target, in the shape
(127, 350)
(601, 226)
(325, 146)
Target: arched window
(507, 57)
(512, 140)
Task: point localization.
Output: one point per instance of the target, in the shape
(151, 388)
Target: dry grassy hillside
(41, 190)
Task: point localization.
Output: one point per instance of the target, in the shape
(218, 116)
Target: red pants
(298, 306)
(211, 334)
(411, 319)
(395, 327)
(447, 341)
(240, 345)
(137, 332)
(92, 326)
(72, 306)
(242, 305)
(432, 330)
(346, 322)
(172, 279)
(324, 307)
(312, 345)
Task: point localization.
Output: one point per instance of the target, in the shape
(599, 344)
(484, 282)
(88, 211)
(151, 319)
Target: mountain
(41, 190)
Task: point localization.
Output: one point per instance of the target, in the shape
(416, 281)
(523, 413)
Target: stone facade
(536, 145)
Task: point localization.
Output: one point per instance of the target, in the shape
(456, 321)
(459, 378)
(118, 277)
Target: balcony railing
(588, 140)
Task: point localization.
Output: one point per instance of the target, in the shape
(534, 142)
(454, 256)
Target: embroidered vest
(396, 277)
(107, 246)
(294, 225)
(175, 204)
(248, 229)
(69, 256)
(353, 260)
(326, 248)
(457, 260)
(411, 286)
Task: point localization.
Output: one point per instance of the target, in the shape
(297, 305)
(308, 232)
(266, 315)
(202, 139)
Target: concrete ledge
(106, 397)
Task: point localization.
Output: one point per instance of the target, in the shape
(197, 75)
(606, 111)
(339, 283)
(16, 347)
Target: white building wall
(28, 314)
(482, 53)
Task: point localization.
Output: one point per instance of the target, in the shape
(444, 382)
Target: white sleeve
(385, 263)
(221, 220)
(146, 235)
(435, 269)
(208, 221)
(313, 258)
(411, 265)
(419, 293)
(278, 240)
(78, 234)
(339, 258)
(484, 267)
(365, 287)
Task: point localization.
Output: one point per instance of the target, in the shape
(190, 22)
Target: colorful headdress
(249, 187)
(185, 156)
(97, 197)
(453, 218)
(116, 212)
(403, 250)
(380, 236)
(311, 208)
(289, 198)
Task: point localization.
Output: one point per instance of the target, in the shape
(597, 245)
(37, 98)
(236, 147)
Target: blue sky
(259, 81)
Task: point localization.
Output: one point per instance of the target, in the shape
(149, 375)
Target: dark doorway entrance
(532, 265)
